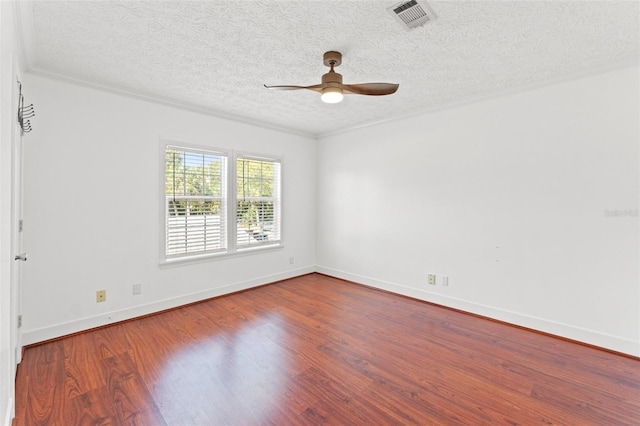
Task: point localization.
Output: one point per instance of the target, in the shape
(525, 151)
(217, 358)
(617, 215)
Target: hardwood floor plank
(91, 408)
(129, 395)
(588, 404)
(318, 350)
(45, 386)
(81, 362)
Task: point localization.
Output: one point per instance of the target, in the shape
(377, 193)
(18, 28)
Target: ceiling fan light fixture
(331, 95)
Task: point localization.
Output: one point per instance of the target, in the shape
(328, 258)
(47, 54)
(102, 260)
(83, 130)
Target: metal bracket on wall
(24, 112)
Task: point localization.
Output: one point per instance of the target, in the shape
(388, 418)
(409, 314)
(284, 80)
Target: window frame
(277, 199)
(232, 249)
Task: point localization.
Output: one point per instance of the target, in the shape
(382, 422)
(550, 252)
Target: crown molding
(632, 61)
(165, 101)
(23, 10)
(625, 63)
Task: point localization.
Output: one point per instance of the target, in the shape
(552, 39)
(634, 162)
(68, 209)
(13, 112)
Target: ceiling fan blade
(370, 89)
(315, 87)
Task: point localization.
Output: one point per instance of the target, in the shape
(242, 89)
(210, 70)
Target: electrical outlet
(101, 296)
(432, 279)
(137, 288)
(445, 280)
(291, 260)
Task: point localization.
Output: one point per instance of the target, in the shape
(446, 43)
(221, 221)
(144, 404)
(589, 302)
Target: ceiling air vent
(412, 14)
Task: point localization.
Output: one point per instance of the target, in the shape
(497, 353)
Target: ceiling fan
(332, 89)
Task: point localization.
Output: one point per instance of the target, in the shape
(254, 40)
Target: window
(258, 201)
(216, 206)
(196, 205)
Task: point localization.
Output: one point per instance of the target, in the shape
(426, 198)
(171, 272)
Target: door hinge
(19, 321)
(20, 222)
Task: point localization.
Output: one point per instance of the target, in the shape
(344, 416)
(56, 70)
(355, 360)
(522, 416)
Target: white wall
(92, 217)
(508, 198)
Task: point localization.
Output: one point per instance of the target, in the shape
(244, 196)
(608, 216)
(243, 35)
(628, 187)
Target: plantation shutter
(258, 201)
(195, 193)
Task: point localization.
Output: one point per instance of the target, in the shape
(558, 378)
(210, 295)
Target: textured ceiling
(216, 55)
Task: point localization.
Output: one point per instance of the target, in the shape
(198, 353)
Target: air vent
(412, 14)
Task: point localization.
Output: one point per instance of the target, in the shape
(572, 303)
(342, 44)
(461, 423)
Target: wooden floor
(316, 350)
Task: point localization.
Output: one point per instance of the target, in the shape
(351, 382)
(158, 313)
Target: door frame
(17, 228)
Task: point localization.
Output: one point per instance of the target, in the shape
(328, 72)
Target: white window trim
(233, 208)
(232, 249)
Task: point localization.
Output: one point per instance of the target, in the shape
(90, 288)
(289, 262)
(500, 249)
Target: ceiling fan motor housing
(332, 79)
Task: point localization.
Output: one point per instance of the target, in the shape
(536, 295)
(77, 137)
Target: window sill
(182, 261)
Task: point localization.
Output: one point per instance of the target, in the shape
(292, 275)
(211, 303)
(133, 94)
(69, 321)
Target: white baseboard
(591, 337)
(42, 334)
(568, 331)
(8, 418)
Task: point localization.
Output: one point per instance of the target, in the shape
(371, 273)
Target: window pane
(258, 201)
(195, 202)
